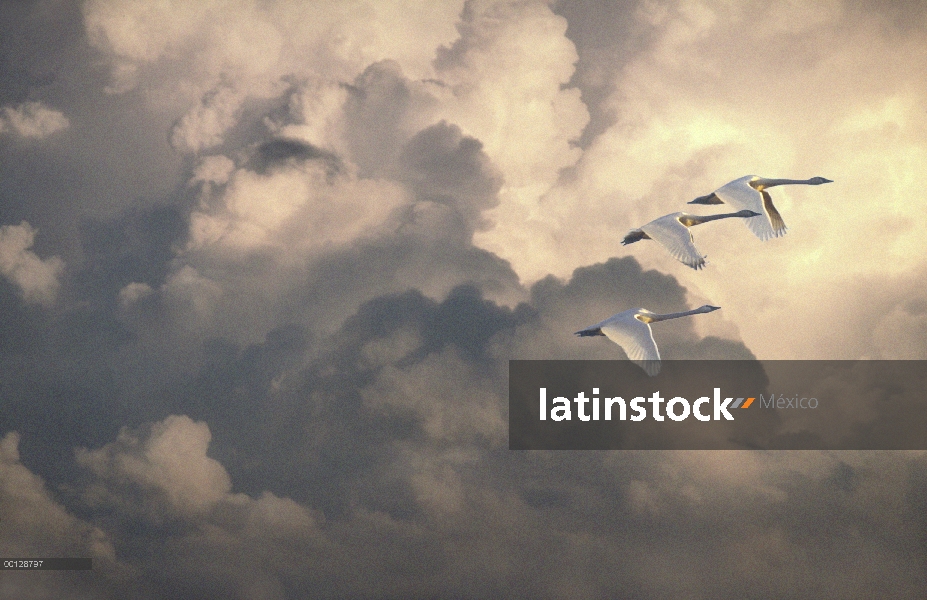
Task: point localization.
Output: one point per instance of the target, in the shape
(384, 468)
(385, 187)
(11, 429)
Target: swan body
(631, 330)
(749, 192)
(672, 231)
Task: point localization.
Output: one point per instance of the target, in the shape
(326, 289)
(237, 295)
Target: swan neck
(667, 316)
(768, 183)
(698, 220)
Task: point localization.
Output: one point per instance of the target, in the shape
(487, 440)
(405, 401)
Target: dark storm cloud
(304, 433)
(91, 167)
(442, 165)
(315, 423)
(378, 106)
(280, 151)
(606, 36)
(36, 48)
(335, 438)
(136, 245)
(392, 488)
(452, 182)
(60, 389)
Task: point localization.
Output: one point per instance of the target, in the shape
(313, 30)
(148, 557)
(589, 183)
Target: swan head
(819, 180)
(709, 308)
(747, 213)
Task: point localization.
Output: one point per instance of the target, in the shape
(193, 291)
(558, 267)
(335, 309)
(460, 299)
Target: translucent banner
(718, 405)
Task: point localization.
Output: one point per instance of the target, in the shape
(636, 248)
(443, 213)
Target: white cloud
(36, 278)
(296, 210)
(32, 521)
(32, 120)
(169, 463)
(254, 43)
(132, 293)
(214, 169)
(172, 459)
(205, 125)
(506, 78)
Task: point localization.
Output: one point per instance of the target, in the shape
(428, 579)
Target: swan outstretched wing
(676, 238)
(636, 339)
(775, 218)
(637, 342)
(739, 194)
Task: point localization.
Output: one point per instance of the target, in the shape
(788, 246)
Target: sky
(263, 265)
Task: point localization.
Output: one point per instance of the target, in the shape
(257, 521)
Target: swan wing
(675, 237)
(739, 194)
(636, 339)
(775, 219)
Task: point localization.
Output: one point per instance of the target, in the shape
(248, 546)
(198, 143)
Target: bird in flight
(631, 330)
(672, 231)
(749, 192)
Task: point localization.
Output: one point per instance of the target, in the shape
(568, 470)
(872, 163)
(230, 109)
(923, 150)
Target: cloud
(441, 165)
(685, 115)
(32, 120)
(205, 125)
(33, 521)
(172, 460)
(157, 479)
(505, 84)
(36, 525)
(596, 292)
(37, 279)
(532, 520)
(303, 239)
(255, 43)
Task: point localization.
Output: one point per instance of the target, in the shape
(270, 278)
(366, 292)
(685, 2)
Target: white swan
(631, 330)
(750, 192)
(673, 232)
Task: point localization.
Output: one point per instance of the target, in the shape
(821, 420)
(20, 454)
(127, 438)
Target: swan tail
(635, 235)
(589, 332)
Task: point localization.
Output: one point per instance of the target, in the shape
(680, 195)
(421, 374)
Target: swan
(750, 192)
(673, 232)
(631, 330)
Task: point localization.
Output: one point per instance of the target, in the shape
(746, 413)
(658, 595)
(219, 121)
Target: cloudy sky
(263, 264)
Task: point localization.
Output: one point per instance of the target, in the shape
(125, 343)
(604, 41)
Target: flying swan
(631, 330)
(750, 192)
(673, 232)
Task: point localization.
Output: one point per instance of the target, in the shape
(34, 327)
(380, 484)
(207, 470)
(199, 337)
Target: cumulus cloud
(36, 525)
(255, 43)
(33, 521)
(506, 79)
(204, 126)
(32, 120)
(155, 479)
(37, 279)
(700, 97)
(171, 460)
